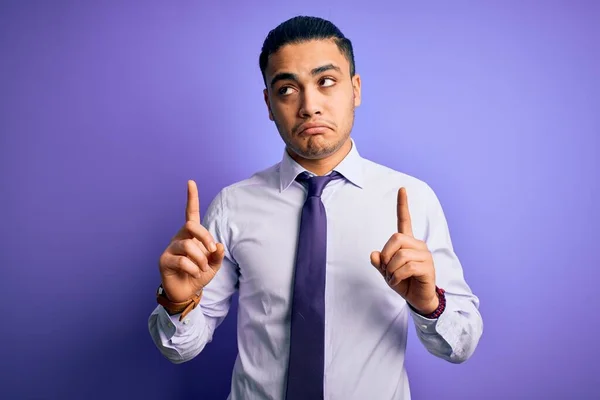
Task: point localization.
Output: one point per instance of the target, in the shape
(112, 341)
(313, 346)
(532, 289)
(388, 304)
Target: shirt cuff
(172, 325)
(439, 326)
(425, 325)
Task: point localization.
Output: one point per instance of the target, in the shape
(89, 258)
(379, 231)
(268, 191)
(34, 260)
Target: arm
(181, 341)
(454, 335)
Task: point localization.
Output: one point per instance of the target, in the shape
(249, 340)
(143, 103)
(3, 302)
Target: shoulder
(380, 177)
(244, 190)
(424, 205)
(258, 181)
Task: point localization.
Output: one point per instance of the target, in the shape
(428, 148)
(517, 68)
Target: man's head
(311, 88)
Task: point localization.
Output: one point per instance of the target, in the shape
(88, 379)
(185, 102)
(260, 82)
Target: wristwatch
(173, 308)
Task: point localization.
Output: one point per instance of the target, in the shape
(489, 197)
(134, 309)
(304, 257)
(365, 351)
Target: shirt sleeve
(454, 335)
(181, 341)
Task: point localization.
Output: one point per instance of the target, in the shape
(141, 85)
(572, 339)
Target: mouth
(317, 130)
(310, 129)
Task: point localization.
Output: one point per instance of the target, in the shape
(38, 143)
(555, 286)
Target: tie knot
(316, 184)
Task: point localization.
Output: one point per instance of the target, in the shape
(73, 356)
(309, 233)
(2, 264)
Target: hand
(192, 259)
(407, 264)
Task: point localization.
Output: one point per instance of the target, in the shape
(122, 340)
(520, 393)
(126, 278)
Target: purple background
(107, 109)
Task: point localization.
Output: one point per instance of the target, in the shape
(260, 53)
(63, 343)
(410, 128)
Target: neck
(322, 166)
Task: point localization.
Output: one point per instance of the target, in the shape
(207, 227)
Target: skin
(311, 82)
(307, 83)
(407, 264)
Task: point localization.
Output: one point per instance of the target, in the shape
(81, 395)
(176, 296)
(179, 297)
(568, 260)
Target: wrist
(173, 308)
(431, 307)
(436, 308)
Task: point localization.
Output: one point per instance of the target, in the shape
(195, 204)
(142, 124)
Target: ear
(268, 103)
(356, 88)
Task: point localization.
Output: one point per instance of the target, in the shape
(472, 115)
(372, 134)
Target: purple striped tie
(307, 340)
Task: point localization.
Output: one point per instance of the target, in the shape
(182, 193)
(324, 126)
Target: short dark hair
(301, 29)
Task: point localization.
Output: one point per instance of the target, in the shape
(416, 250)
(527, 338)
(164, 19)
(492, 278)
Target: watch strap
(173, 308)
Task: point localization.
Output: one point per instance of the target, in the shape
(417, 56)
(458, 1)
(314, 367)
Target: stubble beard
(315, 148)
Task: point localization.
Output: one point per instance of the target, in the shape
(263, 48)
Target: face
(311, 97)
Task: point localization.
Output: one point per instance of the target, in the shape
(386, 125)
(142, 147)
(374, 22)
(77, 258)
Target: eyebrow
(293, 77)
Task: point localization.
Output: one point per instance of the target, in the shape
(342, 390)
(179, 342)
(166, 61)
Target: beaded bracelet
(441, 307)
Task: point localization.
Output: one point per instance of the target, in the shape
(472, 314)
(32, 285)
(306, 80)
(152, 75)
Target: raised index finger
(404, 222)
(192, 209)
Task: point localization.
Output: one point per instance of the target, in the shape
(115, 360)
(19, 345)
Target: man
(315, 319)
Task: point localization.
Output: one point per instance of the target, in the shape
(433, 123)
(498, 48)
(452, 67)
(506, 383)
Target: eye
(284, 91)
(327, 82)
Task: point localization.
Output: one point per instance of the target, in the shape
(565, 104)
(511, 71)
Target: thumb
(376, 262)
(376, 259)
(215, 259)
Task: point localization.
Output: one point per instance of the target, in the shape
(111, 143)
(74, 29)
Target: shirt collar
(350, 167)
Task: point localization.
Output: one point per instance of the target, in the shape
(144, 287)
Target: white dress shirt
(366, 322)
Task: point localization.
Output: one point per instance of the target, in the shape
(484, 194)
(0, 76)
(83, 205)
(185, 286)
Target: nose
(310, 104)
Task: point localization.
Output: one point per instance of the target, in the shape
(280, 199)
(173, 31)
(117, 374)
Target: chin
(316, 147)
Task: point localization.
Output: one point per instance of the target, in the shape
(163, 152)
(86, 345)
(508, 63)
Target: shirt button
(186, 321)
